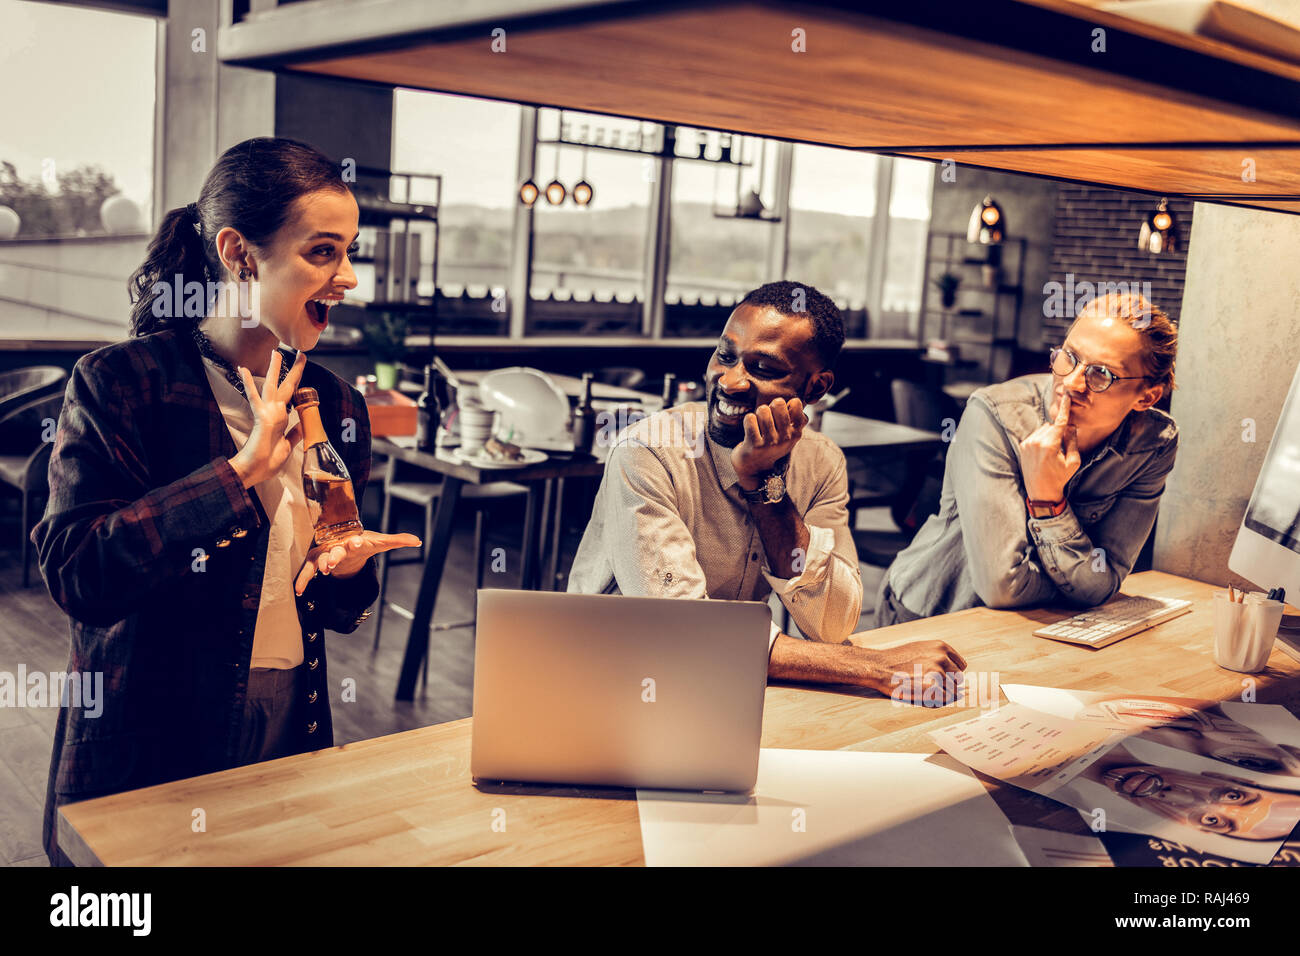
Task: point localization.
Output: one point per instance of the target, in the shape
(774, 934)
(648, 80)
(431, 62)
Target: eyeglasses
(1098, 378)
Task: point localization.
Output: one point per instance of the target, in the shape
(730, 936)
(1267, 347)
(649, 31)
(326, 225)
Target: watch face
(775, 488)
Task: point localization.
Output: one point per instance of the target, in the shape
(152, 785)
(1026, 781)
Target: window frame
(658, 236)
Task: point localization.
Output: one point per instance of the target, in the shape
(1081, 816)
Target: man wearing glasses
(1053, 481)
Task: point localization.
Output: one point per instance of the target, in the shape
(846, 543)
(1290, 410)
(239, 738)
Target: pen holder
(1244, 633)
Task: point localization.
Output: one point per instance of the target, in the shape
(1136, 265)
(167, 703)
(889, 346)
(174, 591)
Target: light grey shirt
(669, 521)
(983, 548)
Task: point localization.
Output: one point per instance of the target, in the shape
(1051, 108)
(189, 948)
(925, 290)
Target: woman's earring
(244, 273)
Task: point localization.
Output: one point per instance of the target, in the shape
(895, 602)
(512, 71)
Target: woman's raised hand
(268, 446)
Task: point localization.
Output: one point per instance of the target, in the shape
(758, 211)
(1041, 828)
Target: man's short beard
(726, 435)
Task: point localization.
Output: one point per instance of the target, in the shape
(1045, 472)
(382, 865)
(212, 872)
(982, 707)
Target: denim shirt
(982, 548)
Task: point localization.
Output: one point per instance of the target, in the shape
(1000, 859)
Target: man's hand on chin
(771, 432)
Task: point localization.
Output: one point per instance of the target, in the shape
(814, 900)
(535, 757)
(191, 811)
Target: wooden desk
(545, 488)
(408, 799)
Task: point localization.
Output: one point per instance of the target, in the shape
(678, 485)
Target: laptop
(609, 690)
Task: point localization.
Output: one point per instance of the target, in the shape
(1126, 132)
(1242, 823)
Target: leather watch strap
(1045, 509)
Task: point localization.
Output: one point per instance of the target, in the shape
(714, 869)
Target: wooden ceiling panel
(1194, 173)
(865, 82)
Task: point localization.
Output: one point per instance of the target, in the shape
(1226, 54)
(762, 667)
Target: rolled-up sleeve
(825, 598)
(1003, 564)
(1089, 569)
(1015, 560)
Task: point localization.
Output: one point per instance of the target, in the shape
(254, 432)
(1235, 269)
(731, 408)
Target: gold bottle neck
(313, 432)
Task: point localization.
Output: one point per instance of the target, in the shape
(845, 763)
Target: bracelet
(1053, 508)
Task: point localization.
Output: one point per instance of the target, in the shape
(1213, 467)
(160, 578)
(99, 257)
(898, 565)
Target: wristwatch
(1045, 509)
(770, 491)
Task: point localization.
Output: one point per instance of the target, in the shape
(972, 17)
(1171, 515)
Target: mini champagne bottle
(331, 500)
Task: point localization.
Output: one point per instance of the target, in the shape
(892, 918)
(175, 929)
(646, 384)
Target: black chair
(425, 493)
(920, 407)
(26, 440)
(22, 385)
(910, 500)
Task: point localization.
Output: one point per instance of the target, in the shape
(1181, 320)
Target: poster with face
(1214, 812)
(1124, 781)
(1257, 742)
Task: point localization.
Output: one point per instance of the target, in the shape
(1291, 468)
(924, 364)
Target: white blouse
(277, 640)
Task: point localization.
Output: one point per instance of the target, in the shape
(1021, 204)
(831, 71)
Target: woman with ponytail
(177, 536)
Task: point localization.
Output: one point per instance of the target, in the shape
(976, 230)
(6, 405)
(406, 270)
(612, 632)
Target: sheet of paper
(833, 808)
(1025, 747)
(1051, 848)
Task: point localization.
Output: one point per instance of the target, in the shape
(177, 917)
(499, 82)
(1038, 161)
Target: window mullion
(877, 251)
(521, 244)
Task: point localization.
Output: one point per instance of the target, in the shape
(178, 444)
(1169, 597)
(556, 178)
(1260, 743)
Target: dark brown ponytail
(176, 250)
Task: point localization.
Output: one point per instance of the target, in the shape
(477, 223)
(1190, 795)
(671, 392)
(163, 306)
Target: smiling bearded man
(742, 501)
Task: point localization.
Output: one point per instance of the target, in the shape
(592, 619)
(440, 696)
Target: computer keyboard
(1118, 618)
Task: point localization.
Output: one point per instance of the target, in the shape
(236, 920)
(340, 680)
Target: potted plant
(386, 340)
(947, 285)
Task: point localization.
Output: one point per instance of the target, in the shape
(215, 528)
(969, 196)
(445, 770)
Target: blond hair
(1159, 334)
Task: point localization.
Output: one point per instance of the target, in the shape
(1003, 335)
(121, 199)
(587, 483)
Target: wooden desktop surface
(407, 798)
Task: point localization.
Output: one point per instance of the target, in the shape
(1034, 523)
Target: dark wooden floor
(34, 632)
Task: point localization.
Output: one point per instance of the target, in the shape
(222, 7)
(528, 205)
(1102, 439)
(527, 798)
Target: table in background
(568, 384)
(408, 798)
(868, 438)
(544, 496)
(876, 442)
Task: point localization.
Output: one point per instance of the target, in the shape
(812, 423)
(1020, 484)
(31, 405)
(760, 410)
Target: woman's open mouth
(318, 310)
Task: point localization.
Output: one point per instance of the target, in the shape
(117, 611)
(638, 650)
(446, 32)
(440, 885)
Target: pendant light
(582, 192)
(555, 191)
(987, 222)
(1159, 233)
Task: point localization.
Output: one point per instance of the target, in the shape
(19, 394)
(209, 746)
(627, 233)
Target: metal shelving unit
(985, 318)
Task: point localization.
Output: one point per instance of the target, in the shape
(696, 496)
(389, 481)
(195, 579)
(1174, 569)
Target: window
(588, 270)
(76, 160)
(473, 145)
(715, 254)
(832, 220)
(821, 217)
(909, 224)
(71, 147)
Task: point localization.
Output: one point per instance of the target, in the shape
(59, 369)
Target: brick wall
(1095, 238)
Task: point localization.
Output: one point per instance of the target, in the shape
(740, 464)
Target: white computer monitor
(1267, 549)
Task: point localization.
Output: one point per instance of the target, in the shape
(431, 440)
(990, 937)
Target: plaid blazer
(156, 551)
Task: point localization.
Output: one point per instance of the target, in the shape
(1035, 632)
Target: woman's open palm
(345, 558)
